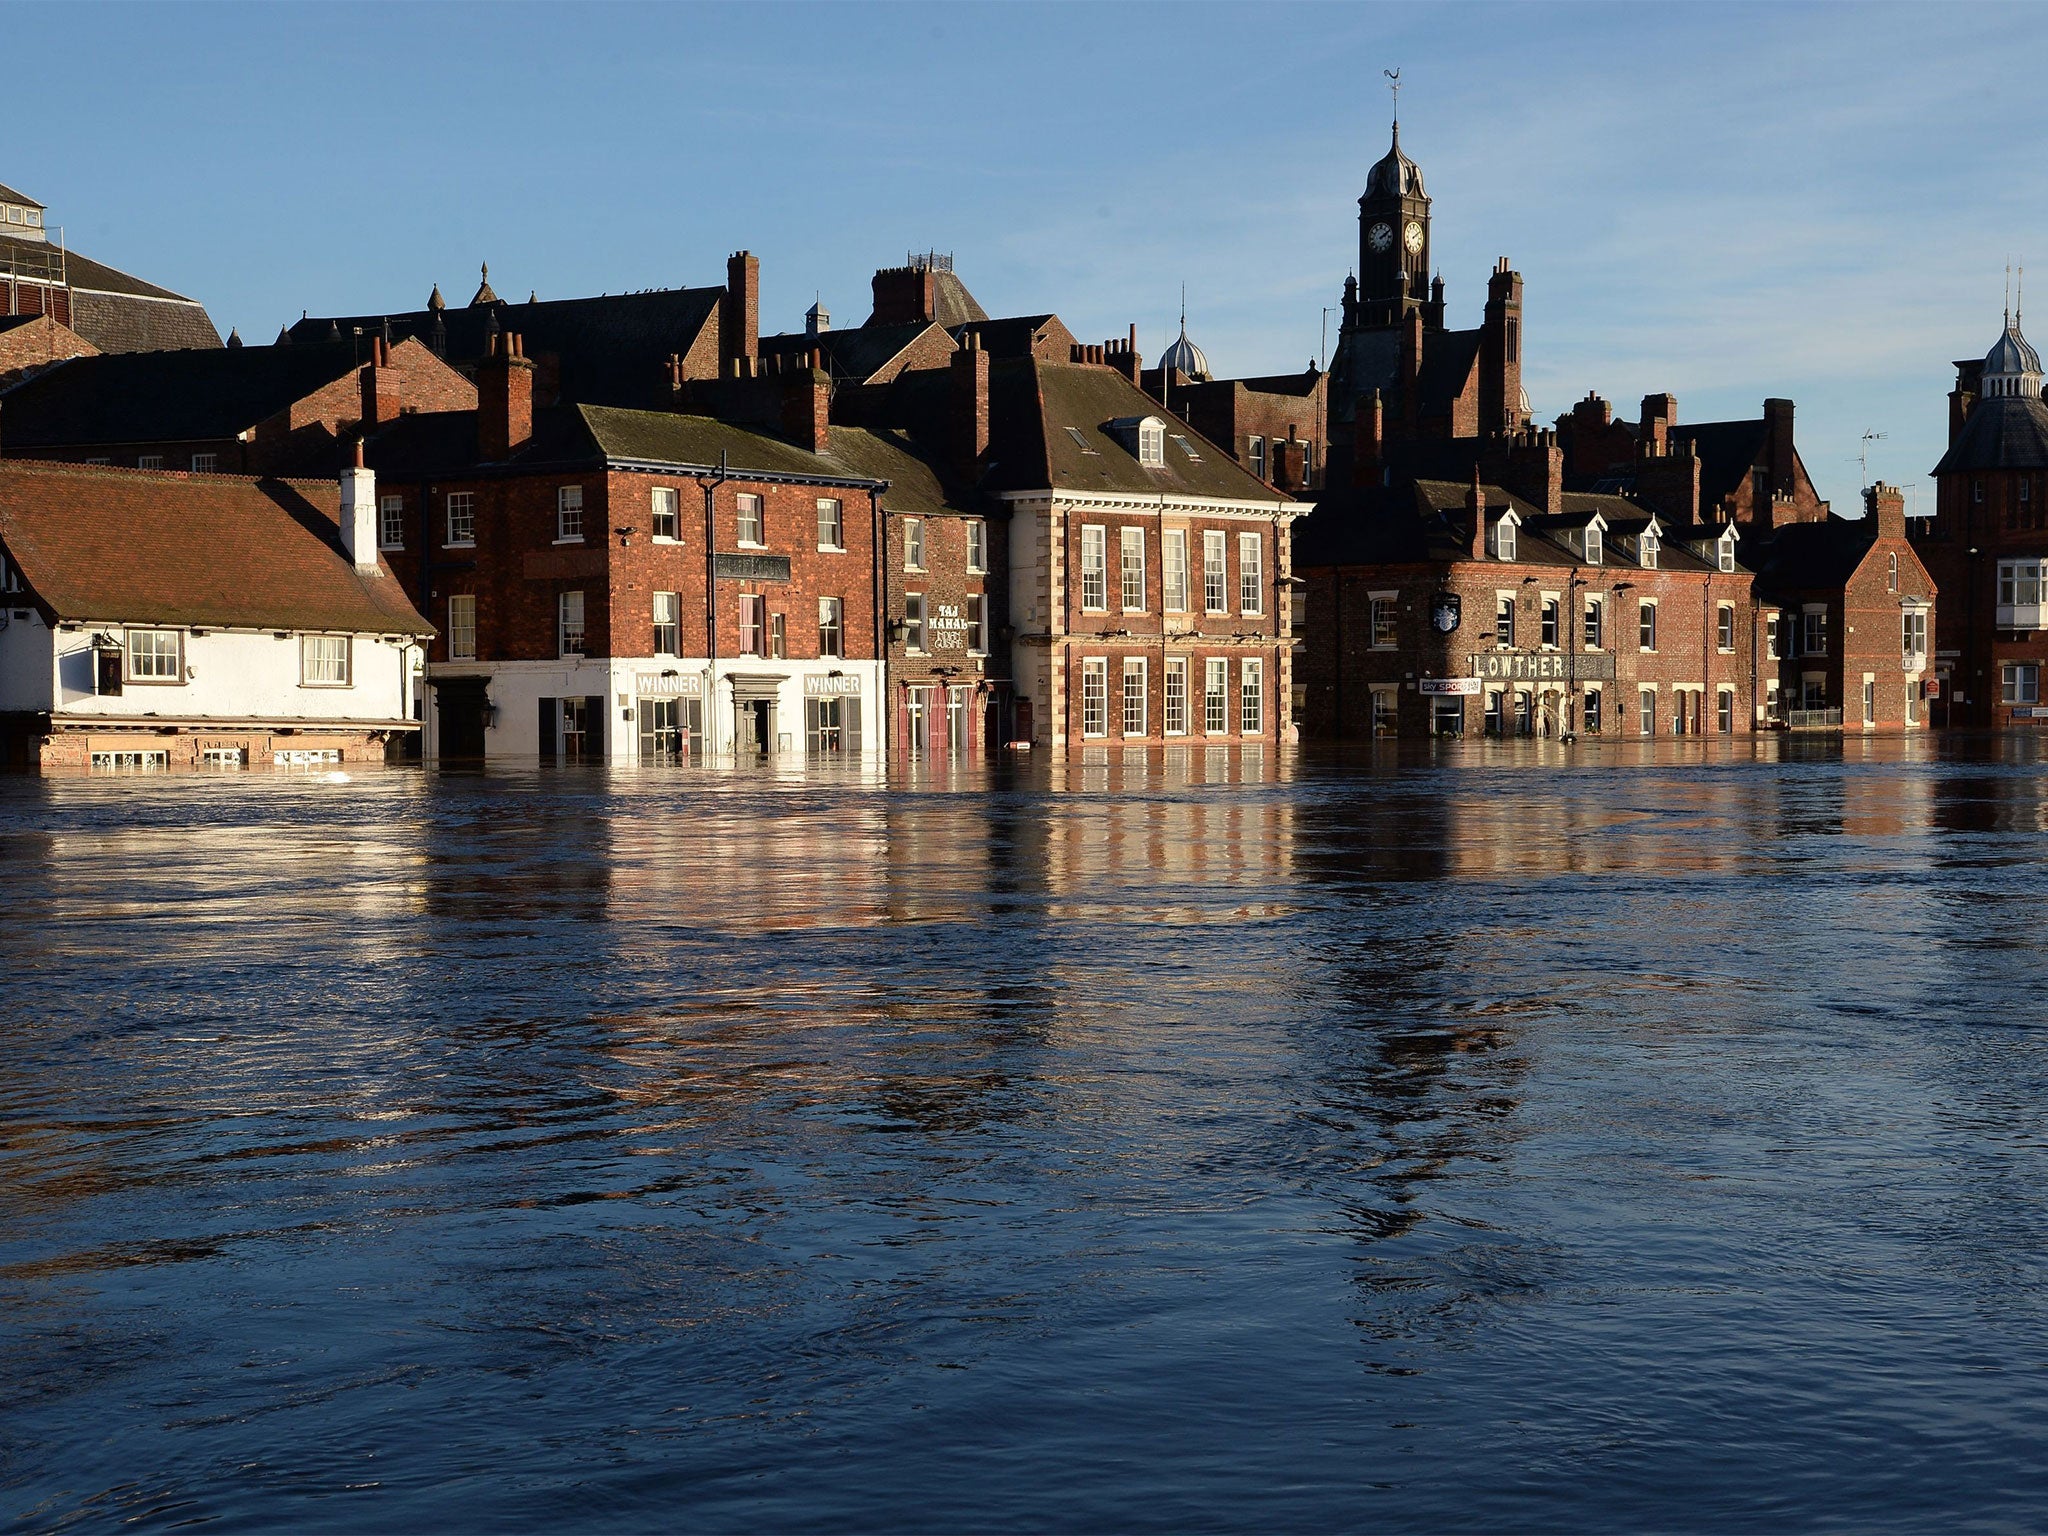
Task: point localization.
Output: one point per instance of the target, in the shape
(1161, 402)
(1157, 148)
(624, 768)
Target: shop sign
(1461, 687)
(751, 567)
(816, 687)
(670, 684)
(947, 627)
(1543, 666)
(1445, 611)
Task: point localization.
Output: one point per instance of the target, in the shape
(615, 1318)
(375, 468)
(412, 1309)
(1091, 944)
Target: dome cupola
(2012, 366)
(1184, 356)
(1395, 175)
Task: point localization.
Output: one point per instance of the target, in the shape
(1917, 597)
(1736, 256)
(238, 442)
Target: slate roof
(1728, 451)
(2004, 432)
(858, 354)
(952, 304)
(99, 545)
(1802, 556)
(1008, 336)
(115, 311)
(440, 442)
(1033, 403)
(614, 349)
(9, 195)
(150, 397)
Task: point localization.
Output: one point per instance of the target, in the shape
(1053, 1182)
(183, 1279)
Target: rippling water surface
(1472, 1141)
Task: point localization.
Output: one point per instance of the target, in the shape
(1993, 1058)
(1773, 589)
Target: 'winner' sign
(1543, 666)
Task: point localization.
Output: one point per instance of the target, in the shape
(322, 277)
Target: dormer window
(1143, 437)
(1593, 548)
(34, 218)
(1727, 551)
(1646, 550)
(1504, 539)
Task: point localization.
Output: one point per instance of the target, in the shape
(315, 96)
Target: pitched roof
(852, 453)
(613, 348)
(1817, 554)
(111, 545)
(858, 354)
(952, 304)
(9, 195)
(1009, 335)
(2003, 432)
(1728, 451)
(152, 397)
(1037, 408)
(115, 311)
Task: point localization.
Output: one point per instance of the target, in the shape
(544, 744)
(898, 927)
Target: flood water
(1461, 1139)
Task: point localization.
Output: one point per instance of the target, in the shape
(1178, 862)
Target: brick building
(279, 410)
(1275, 427)
(1853, 619)
(159, 620)
(636, 584)
(1439, 609)
(31, 343)
(1987, 543)
(113, 311)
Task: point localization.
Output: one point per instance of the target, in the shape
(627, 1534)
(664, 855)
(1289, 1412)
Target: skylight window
(1187, 447)
(1080, 439)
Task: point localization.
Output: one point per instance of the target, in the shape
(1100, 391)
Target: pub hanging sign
(1445, 612)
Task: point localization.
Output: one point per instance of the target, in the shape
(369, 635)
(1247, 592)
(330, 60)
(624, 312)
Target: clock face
(1380, 237)
(1414, 237)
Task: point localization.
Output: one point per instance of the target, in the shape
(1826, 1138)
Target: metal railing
(1812, 719)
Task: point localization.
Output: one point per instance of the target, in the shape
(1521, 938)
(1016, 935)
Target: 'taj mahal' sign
(1543, 666)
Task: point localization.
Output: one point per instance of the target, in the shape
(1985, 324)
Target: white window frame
(1724, 628)
(1646, 624)
(831, 525)
(1251, 696)
(1913, 637)
(750, 520)
(1094, 696)
(459, 508)
(914, 617)
(1094, 568)
(665, 502)
(1550, 616)
(1152, 443)
(2019, 682)
(1131, 568)
(1136, 697)
(391, 522)
(1173, 560)
(977, 546)
(1503, 538)
(166, 667)
(570, 624)
(323, 654)
(1594, 548)
(1593, 622)
(1251, 574)
(462, 627)
(666, 610)
(977, 623)
(752, 613)
(1727, 552)
(1646, 550)
(913, 544)
(1256, 451)
(568, 514)
(1383, 614)
(1215, 572)
(2022, 587)
(149, 461)
(1215, 696)
(831, 627)
(205, 463)
(1646, 708)
(1174, 709)
(1813, 630)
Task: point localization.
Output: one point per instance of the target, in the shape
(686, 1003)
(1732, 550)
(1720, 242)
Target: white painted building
(158, 620)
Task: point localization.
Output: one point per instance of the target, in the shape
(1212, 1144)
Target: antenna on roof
(1863, 457)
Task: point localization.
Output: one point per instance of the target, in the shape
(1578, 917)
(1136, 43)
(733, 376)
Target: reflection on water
(1647, 1135)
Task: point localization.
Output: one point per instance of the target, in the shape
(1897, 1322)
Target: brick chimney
(1123, 355)
(1475, 509)
(380, 382)
(1411, 370)
(1500, 351)
(807, 406)
(739, 313)
(359, 512)
(969, 404)
(1670, 483)
(1535, 468)
(504, 399)
(904, 294)
(1367, 439)
(1660, 413)
(1778, 443)
(1887, 503)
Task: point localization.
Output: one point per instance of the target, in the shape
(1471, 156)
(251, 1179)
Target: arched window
(1894, 582)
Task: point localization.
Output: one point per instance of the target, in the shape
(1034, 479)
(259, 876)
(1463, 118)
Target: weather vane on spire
(1394, 84)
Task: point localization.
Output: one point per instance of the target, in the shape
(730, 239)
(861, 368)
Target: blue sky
(1725, 202)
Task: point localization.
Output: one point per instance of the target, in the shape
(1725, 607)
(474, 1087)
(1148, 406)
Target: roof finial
(2008, 291)
(2019, 291)
(1394, 84)
(1183, 311)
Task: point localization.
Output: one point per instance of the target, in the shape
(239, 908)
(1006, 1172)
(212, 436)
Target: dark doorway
(460, 703)
(754, 732)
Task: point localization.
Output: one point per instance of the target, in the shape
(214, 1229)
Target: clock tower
(1393, 239)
